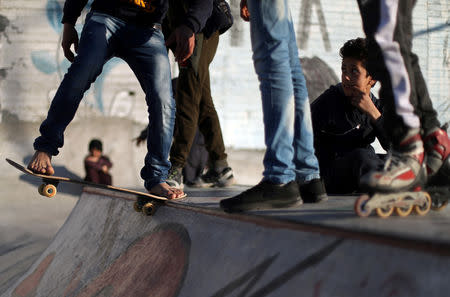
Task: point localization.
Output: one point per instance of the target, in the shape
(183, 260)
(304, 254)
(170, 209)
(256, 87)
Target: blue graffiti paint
(437, 28)
(44, 61)
(54, 15)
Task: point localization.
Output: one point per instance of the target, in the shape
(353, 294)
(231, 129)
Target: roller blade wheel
(404, 211)
(422, 210)
(360, 204)
(384, 212)
(438, 205)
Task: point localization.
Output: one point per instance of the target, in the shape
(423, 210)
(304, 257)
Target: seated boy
(96, 165)
(346, 120)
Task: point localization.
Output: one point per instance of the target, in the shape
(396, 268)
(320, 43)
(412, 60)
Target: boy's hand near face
(362, 101)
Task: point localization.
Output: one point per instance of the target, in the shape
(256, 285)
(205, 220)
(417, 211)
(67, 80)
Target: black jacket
(147, 13)
(339, 127)
(220, 18)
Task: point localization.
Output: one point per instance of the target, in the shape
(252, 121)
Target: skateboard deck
(145, 203)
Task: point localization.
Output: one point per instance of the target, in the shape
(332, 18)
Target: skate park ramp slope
(105, 248)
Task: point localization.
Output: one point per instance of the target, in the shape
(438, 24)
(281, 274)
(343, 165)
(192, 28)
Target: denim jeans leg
(94, 50)
(269, 27)
(305, 160)
(146, 54)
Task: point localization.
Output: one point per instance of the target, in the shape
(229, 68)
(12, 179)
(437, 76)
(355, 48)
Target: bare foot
(164, 190)
(41, 163)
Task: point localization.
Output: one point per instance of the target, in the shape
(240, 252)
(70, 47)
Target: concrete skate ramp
(106, 249)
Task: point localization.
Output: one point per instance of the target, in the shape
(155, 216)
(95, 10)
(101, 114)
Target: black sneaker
(264, 195)
(175, 178)
(313, 191)
(211, 178)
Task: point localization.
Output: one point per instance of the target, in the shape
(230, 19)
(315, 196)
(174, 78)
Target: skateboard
(146, 202)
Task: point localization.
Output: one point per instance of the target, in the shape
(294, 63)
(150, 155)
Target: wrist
(374, 115)
(68, 25)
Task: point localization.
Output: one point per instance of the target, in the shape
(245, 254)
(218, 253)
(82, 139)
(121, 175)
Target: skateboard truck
(145, 205)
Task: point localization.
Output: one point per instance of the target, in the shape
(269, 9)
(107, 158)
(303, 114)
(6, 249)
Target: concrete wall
(16, 143)
(32, 64)
(116, 133)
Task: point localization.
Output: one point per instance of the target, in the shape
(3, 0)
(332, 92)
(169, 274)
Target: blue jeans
(143, 48)
(287, 116)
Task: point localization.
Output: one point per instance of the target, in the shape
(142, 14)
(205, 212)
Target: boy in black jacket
(130, 30)
(346, 120)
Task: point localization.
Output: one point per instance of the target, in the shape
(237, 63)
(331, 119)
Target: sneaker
(264, 195)
(403, 170)
(175, 178)
(437, 147)
(313, 191)
(211, 178)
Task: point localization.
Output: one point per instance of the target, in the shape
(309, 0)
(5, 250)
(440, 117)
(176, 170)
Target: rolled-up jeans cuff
(41, 146)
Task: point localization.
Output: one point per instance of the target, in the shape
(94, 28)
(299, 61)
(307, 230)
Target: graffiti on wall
(123, 102)
(310, 14)
(305, 22)
(51, 63)
(303, 29)
(4, 23)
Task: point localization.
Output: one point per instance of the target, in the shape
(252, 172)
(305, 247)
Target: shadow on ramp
(66, 188)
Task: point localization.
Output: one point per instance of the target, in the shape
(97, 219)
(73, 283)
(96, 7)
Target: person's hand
(184, 40)
(362, 101)
(245, 14)
(105, 169)
(70, 36)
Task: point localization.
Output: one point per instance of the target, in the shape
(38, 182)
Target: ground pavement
(192, 248)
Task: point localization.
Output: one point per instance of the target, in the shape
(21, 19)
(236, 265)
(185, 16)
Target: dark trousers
(195, 107)
(197, 160)
(371, 14)
(342, 175)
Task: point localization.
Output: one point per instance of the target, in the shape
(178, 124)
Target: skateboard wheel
(41, 189)
(360, 204)
(148, 209)
(384, 212)
(49, 191)
(404, 211)
(423, 209)
(137, 207)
